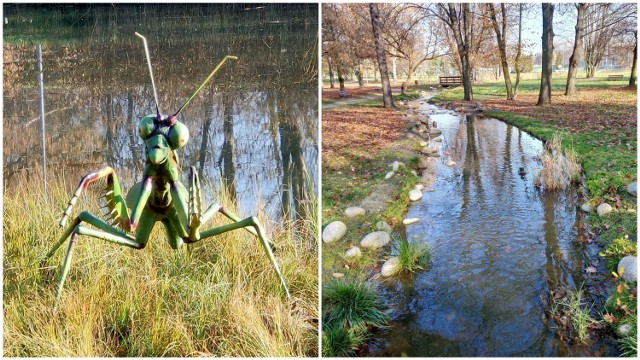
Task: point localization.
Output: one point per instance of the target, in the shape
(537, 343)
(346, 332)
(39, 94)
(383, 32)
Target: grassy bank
(600, 124)
(219, 297)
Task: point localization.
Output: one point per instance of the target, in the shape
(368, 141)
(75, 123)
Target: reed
(219, 297)
(558, 170)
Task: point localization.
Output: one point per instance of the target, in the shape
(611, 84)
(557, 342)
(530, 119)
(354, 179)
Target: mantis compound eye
(146, 126)
(178, 135)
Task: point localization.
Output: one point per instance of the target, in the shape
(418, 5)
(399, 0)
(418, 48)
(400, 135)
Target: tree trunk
(382, 59)
(577, 50)
(358, 72)
(331, 80)
(633, 77)
(518, 53)
(547, 55)
(502, 46)
(340, 76)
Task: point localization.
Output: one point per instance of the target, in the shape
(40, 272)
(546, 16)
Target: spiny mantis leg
(84, 184)
(250, 222)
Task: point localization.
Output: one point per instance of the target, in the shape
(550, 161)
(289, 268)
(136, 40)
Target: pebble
(450, 163)
(419, 187)
(632, 189)
(353, 252)
(334, 232)
(423, 143)
(586, 207)
(438, 139)
(396, 165)
(354, 211)
(390, 267)
(435, 131)
(376, 239)
(338, 275)
(415, 195)
(383, 226)
(604, 208)
(410, 221)
(624, 330)
(389, 175)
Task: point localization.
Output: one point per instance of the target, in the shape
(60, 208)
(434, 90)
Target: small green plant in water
(412, 256)
(352, 305)
(578, 319)
(338, 341)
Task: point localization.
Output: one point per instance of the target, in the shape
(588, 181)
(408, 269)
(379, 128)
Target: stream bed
(498, 245)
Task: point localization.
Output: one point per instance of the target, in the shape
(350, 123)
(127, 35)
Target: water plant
(338, 341)
(412, 256)
(572, 315)
(352, 305)
(558, 170)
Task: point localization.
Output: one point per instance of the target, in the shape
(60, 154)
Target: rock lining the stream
(632, 189)
(450, 163)
(354, 211)
(383, 226)
(586, 207)
(376, 239)
(353, 252)
(390, 267)
(334, 232)
(603, 209)
(389, 175)
(409, 221)
(630, 265)
(415, 195)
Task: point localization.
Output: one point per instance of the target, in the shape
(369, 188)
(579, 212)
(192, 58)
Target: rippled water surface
(497, 246)
(254, 127)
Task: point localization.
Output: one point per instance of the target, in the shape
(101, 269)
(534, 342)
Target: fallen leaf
(619, 288)
(609, 318)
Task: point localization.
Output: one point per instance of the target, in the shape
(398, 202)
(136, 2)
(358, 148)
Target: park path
(349, 101)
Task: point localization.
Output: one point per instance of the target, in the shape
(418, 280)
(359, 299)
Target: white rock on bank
(604, 208)
(409, 221)
(334, 232)
(353, 252)
(389, 175)
(395, 166)
(376, 239)
(415, 195)
(624, 330)
(450, 163)
(632, 189)
(383, 226)
(419, 187)
(586, 207)
(630, 266)
(423, 143)
(390, 267)
(354, 211)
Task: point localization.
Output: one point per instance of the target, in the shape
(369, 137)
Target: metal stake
(41, 98)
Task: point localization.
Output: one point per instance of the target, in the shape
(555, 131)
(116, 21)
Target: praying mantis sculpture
(160, 196)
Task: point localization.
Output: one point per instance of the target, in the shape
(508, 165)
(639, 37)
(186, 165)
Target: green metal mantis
(160, 196)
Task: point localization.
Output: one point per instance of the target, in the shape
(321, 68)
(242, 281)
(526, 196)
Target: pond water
(497, 246)
(254, 127)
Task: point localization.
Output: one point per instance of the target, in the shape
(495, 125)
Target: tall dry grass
(559, 169)
(219, 297)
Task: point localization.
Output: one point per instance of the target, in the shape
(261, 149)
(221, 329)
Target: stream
(498, 245)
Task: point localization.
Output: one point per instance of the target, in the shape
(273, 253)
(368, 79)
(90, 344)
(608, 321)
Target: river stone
(450, 163)
(419, 187)
(435, 154)
(376, 239)
(586, 207)
(630, 265)
(438, 139)
(624, 330)
(390, 267)
(334, 232)
(429, 150)
(395, 166)
(604, 208)
(632, 189)
(423, 163)
(423, 143)
(383, 226)
(354, 211)
(410, 221)
(389, 175)
(353, 252)
(415, 195)
(435, 131)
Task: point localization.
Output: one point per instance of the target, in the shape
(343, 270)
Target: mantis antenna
(215, 70)
(153, 83)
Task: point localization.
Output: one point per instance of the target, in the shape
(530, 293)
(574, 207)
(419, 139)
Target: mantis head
(163, 134)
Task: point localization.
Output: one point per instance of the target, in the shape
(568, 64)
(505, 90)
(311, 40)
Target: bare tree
(380, 53)
(547, 55)
(518, 52)
(501, 31)
(577, 49)
(634, 76)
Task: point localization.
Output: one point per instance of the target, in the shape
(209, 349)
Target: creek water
(254, 127)
(497, 246)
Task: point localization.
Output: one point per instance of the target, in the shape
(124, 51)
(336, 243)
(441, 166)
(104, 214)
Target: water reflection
(254, 128)
(498, 246)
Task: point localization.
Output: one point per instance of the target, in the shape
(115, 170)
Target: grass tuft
(352, 305)
(558, 170)
(412, 256)
(338, 341)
